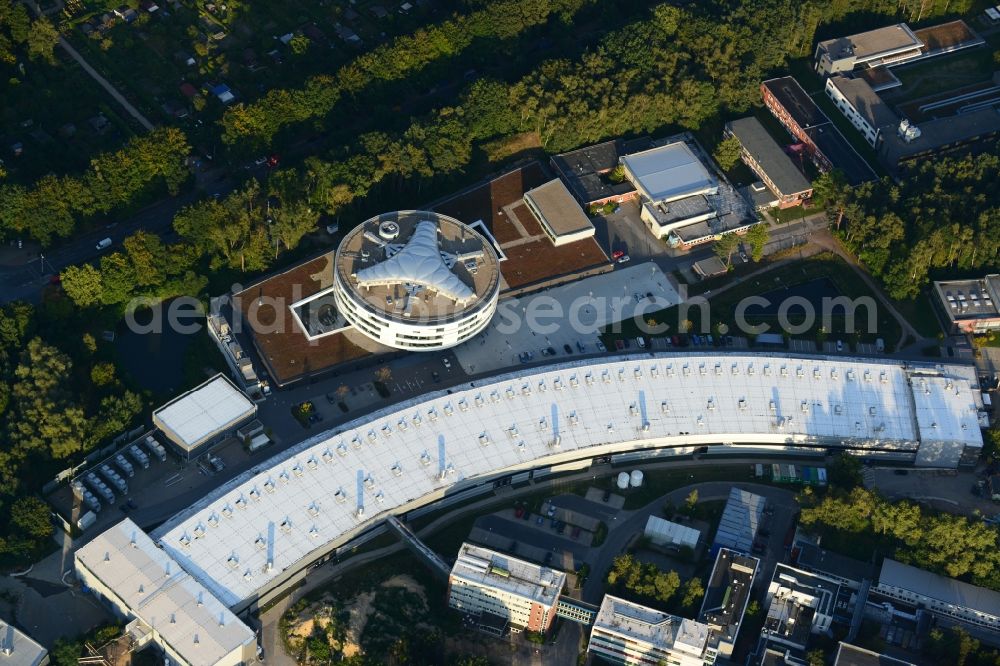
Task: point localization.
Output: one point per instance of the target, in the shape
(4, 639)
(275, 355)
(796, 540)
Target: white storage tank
(636, 478)
(623, 480)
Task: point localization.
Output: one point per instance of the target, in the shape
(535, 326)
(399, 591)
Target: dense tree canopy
(50, 414)
(946, 544)
(54, 205)
(945, 214)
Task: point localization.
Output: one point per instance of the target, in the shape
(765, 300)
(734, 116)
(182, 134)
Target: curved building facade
(262, 531)
(416, 280)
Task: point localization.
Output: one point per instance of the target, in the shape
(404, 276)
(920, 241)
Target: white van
(104, 244)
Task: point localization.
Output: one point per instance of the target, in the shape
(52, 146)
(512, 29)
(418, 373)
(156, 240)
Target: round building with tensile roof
(416, 280)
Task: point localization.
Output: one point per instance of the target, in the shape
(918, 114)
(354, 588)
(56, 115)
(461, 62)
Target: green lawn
(920, 313)
(943, 73)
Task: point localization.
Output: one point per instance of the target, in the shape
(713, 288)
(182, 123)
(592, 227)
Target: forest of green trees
(945, 215)
(57, 402)
(950, 545)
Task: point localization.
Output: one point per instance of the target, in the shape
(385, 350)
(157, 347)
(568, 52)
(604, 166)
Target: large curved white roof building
(416, 280)
(263, 529)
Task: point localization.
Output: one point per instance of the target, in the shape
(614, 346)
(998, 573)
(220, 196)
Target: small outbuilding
(203, 416)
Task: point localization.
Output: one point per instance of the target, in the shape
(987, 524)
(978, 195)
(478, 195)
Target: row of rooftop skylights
(297, 469)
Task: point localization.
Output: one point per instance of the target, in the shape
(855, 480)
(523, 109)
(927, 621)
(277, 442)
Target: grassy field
(943, 73)
(723, 307)
(920, 313)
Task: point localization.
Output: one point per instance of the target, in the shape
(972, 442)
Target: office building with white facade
(949, 598)
(628, 633)
(161, 603)
(416, 280)
(859, 103)
(521, 593)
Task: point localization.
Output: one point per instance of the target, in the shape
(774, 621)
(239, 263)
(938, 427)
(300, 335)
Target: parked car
(675, 340)
(641, 341)
(624, 259)
(519, 511)
(526, 516)
(104, 244)
(435, 377)
(447, 362)
(575, 533)
(551, 351)
(617, 254)
(539, 521)
(619, 345)
(601, 347)
(567, 349)
(607, 496)
(840, 345)
(580, 347)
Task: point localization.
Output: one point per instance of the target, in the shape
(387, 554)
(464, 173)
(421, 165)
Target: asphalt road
(26, 282)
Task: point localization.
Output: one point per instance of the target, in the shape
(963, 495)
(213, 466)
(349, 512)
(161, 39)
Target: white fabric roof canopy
(420, 263)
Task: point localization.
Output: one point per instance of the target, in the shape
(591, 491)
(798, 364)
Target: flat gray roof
(852, 655)
(17, 648)
(873, 44)
(942, 588)
(669, 172)
(559, 210)
(970, 299)
(865, 101)
(766, 152)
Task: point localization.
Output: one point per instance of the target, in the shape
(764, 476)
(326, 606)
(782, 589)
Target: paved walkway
(104, 83)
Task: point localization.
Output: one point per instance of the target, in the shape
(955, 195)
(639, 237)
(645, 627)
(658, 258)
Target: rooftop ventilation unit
(340, 496)
(397, 469)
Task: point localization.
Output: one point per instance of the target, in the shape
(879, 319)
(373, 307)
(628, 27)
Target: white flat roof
(203, 412)
(669, 172)
(395, 457)
(489, 568)
(17, 648)
(160, 593)
(653, 627)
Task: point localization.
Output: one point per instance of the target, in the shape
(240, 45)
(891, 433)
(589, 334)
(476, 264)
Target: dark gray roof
(581, 168)
(941, 132)
(865, 101)
(818, 560)
(850, 655)
(836, 148)
(796, 101)
(778, 166)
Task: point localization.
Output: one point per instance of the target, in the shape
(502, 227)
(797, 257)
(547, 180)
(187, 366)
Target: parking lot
(566, 319)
